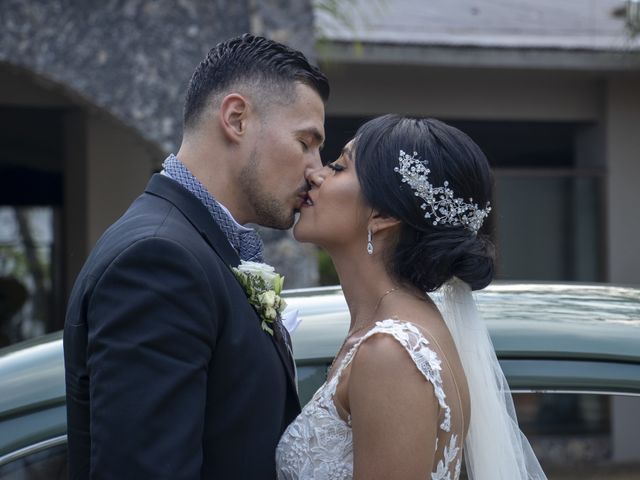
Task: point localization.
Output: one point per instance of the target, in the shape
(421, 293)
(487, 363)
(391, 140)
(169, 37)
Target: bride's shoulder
(395, 353)
(384, 352)
(404, 340)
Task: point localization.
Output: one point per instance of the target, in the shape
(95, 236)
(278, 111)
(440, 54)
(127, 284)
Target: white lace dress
(318, 444)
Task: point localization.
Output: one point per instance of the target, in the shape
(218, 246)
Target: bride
(413, 386)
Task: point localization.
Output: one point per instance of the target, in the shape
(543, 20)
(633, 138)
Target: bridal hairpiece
(440, 202)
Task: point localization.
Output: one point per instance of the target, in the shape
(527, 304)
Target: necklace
(351, 333)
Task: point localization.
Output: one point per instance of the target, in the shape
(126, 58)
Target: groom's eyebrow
(315, 133)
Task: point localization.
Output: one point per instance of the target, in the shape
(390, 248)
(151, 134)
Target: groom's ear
(233, 113)
(379, 222)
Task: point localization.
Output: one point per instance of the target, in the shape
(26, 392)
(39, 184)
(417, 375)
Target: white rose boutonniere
(263, 286)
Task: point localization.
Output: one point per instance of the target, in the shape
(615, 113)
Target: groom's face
(287, 147)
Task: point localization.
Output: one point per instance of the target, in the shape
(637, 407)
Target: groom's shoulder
(143, 220)
(151, 223)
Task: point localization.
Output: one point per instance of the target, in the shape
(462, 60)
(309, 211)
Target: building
(90, 104)
(91, 94)
(550, 91)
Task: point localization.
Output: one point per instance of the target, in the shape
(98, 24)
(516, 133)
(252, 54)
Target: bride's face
(335, 215)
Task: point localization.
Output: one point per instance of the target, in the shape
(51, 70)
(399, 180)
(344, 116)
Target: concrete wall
(75, 211)
(622, 130)
(118, 168)
(105, 165)
(106, 168)
(609, 102)
(463, 93)
(18, 88)
(134, 58)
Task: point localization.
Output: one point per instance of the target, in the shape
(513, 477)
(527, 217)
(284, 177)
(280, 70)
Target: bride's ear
(379, 223)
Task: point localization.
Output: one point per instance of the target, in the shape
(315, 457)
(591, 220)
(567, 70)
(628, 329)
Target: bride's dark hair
(426, 255)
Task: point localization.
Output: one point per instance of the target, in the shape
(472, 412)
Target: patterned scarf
(247, 243)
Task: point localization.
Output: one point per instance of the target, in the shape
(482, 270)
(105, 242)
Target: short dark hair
(251, 60)
(426, 255)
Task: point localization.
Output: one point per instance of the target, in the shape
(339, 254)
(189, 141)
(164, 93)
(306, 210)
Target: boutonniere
(263, 286)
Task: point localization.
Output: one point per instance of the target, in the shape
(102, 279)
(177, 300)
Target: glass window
(575, 436)
(28, 269)
(31, 202)
(582, 436)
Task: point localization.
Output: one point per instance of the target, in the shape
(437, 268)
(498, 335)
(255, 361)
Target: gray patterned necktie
(248, 243)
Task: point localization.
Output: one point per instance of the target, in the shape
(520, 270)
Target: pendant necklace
(353, 332)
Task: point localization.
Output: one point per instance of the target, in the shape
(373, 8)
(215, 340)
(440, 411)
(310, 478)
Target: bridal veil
(495, 448)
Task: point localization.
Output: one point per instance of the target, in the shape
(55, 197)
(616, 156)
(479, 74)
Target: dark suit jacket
(168, 372)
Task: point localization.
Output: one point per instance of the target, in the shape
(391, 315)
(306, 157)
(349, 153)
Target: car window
(37, 464)
(582, 435)
(575, 435)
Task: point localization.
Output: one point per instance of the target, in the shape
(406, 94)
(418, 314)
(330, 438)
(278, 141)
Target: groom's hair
(251, 64)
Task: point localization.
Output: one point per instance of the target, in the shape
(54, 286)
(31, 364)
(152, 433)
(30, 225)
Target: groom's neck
(216, 172)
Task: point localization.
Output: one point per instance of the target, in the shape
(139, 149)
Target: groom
(169, 374)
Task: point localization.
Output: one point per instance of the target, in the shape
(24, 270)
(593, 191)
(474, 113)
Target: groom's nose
(315, 176)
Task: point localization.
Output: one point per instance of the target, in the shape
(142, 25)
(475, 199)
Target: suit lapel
(203, 222)
(286, 355)
(196, 213)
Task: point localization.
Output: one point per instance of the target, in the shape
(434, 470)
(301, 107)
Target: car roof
(32, 402)
(31, 373)
(526, 320)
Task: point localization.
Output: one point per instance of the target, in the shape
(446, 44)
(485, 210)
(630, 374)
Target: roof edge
(465, 56)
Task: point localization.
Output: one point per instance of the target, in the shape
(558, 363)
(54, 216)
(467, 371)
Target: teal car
(564, 348)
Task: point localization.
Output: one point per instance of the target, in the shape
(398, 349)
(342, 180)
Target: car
(564, 348)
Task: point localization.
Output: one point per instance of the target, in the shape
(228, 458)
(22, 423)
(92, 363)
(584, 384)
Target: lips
(306, 201)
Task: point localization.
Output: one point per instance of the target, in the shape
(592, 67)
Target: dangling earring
(369, 242)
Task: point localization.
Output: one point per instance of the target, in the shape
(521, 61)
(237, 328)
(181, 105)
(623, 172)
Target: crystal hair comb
(440, 204)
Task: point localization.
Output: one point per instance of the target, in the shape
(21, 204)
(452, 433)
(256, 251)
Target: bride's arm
(394, 413)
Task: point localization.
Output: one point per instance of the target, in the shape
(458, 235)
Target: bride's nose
(315, 176)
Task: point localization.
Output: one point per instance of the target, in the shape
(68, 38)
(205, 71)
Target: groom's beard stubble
(269, 210)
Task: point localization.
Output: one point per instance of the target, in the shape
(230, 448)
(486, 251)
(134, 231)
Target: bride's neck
(364, 281)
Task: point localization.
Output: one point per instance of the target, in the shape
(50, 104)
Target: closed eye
(305, 147)
(336, 167)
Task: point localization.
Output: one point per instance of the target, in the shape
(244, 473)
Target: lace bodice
(318, 444)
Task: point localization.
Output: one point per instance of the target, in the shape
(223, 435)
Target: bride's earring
(369, 242)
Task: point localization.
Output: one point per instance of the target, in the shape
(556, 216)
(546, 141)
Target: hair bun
(434, 257)
(475, 263)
